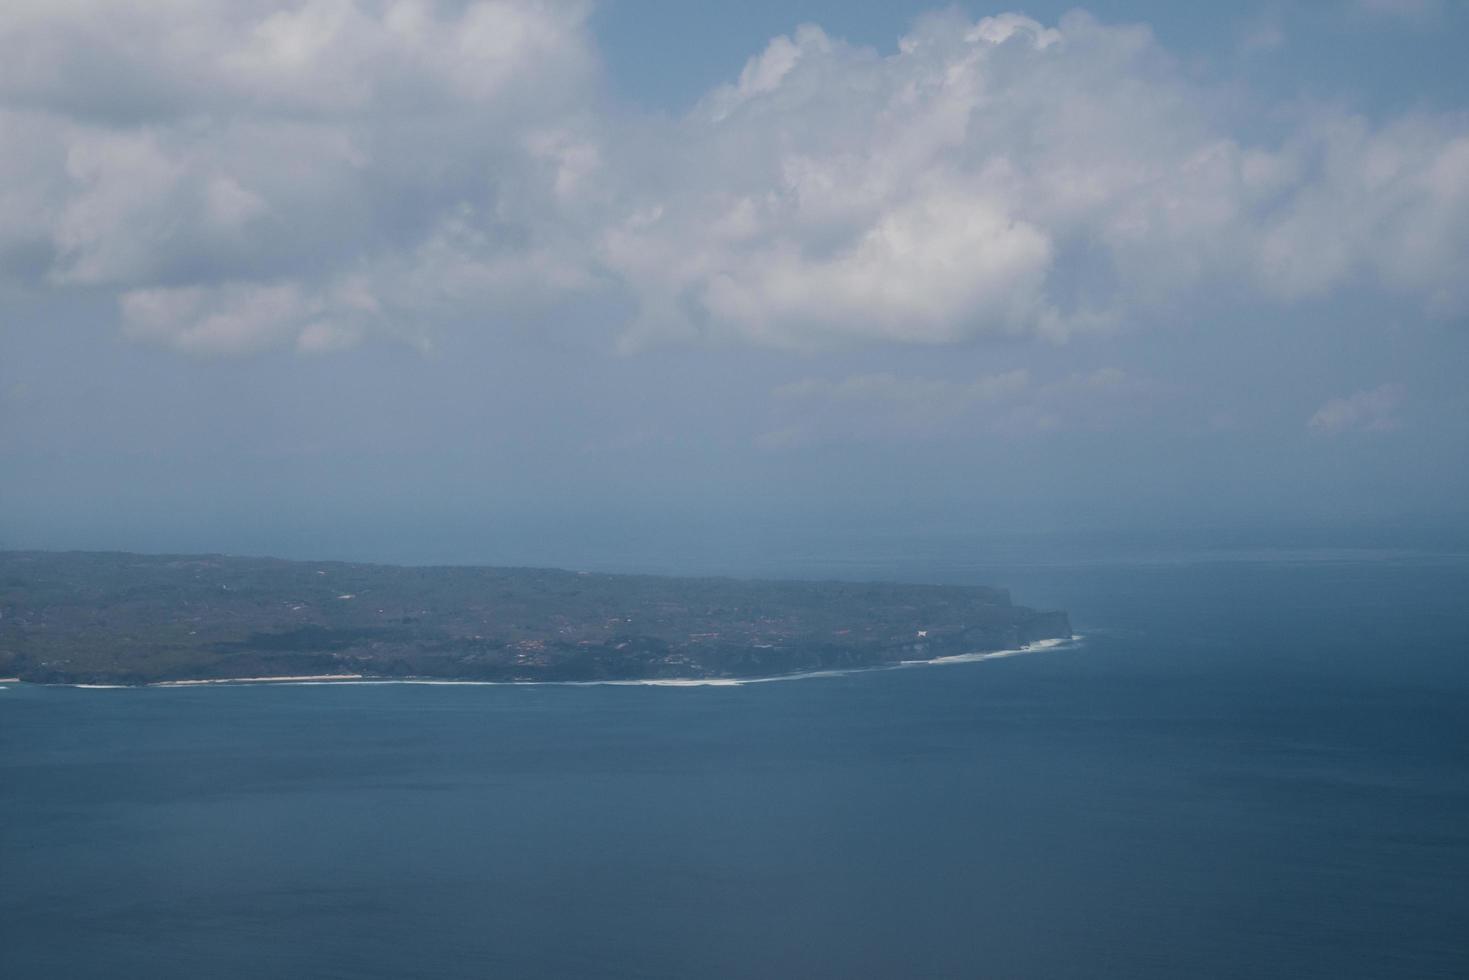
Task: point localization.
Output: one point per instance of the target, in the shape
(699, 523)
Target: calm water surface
(1253, 768)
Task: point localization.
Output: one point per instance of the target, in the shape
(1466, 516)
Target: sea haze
(1247, 768)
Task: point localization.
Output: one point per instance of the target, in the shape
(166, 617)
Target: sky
(543, 282)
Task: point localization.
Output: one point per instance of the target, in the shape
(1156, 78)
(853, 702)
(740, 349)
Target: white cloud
(1369, 410)
(156, 59)
(1004, 177)
(919, 273)
(196, 156)
(455, 163)
(228, 319)
(228, 205)
(1388, 207)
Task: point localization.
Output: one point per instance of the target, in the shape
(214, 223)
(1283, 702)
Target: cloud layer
(248, 175)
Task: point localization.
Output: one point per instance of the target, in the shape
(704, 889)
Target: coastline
(290, 679)
(311, 680)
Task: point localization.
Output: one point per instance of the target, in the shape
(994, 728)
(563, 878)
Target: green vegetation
(82, 617)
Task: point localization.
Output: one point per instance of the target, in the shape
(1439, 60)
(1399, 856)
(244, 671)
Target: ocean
(1254, 764)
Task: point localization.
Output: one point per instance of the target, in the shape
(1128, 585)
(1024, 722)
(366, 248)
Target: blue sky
(1380, 56)
(522, 281)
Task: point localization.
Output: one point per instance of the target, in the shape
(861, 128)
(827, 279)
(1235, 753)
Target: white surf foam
(288, 679)
(324, 680)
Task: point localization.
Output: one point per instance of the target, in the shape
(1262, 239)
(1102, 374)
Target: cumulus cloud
(254, 174)
(153, 60)
(1005, 177)
(1369, 410)
(262, 173)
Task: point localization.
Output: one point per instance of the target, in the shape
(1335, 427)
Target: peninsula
(116, 618)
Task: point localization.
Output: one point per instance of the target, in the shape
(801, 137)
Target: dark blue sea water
(1254, 767)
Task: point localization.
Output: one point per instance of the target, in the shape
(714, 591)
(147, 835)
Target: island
(129, 619)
